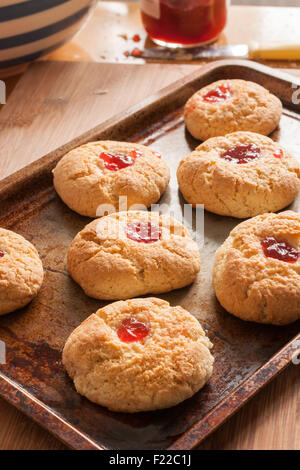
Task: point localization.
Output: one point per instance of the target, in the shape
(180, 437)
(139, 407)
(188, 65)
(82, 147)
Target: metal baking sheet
(247, 355)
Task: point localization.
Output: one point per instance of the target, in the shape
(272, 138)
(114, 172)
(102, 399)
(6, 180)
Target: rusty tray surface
(247, 355)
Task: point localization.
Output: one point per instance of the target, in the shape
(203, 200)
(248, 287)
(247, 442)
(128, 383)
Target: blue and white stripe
(32, 28)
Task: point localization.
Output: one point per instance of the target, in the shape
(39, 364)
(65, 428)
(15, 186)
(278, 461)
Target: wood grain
(269, 421)
(20, 433)
(110, 31)
(57, 101)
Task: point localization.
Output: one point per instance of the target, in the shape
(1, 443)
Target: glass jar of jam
(184, 23)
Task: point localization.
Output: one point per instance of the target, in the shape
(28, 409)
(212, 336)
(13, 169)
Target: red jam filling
(242, 154)
(136, 38)
(156, 154)
(278, 153)
(131, 330)
(221, 93)
(186, 22)
(118, 161)
(1, 254)
(278, 249)
(143, 232)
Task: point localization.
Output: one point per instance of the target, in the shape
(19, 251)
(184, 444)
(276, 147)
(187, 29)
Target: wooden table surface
(271, 419)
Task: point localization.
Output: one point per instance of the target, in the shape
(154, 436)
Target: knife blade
(255, 50)
(196, 53)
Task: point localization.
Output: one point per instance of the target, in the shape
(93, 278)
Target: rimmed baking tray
(247, 355)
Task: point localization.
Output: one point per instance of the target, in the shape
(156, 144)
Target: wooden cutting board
(53, 102)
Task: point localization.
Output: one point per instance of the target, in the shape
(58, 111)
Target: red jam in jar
(131, 330)
(279, 249)
(221, 93)
(118, 161)
(242, 154)
(184, 22)
(143, 232)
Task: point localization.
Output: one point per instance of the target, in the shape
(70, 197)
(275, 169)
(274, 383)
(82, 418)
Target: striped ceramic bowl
(32, 28)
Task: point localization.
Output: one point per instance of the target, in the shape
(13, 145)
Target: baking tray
(247, 356)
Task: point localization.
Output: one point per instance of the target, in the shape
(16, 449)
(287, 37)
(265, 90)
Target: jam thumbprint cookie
(240, 175)
(133, 253)
(138, 355)
(257, 269)
(21, 271)
(92, 178)
(229, 106)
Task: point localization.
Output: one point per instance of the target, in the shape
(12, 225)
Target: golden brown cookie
(133, 253)
(138, 355)
(257, 269)
(21, 271)
(240, 175)
(229, 106)
(91, 178)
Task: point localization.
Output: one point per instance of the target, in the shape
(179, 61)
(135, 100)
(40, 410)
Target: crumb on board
(123, 36)
(100, 92)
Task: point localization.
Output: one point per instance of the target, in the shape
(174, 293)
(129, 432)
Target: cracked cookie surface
(108, 264)
(166, 367)
(265, 184)
(248, 107)
(21, 271)
(85, 183)
(253, 286)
